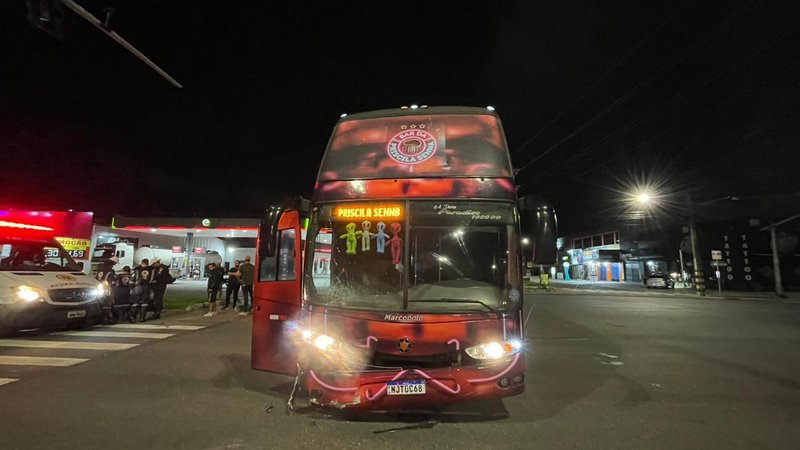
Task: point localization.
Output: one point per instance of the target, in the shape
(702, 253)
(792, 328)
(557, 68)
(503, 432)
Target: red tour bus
(399, 284)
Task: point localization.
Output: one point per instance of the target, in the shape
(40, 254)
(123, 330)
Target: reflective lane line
(7, 380)
(120, 334)
(65, 344)
(39, 361)
(146, 326)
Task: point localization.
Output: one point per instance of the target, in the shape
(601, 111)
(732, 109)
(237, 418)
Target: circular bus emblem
(404, 345)
(412, 146)
(66, 277)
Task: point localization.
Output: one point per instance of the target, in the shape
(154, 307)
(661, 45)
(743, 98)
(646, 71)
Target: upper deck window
(413, 146)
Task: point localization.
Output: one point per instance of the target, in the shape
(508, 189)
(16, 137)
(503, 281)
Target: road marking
(612, 363)
(7, 380)
(119, 334)
(39, 361)
(146, 326)
(528, 316)
(65, 344)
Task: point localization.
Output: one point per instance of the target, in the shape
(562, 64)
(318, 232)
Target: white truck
(41, 285)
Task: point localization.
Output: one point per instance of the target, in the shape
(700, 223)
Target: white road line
(119, 334)
(528, 316)
(39, 361)
(65, 344)
(147, 326)
(7, 380)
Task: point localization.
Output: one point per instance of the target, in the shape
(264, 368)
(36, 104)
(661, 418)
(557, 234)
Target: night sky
(593, 95)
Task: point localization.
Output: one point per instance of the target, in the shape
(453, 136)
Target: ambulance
(41, 285)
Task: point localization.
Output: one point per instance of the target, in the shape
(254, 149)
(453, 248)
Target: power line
(697, 44)
(767, 43)
(602, 77)
(678, 125)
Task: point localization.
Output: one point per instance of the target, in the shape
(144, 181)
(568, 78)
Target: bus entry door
(276, 292)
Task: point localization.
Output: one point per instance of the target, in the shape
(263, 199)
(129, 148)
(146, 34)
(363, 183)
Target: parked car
(659, 280)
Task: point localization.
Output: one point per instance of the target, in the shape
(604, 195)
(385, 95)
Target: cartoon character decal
(366, 235)
(380, 237)
(396, 244)
(352, 238)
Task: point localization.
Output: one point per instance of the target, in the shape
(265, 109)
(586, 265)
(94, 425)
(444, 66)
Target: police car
(41, 286)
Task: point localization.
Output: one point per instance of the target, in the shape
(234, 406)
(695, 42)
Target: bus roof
(430, 142)
(405, 111)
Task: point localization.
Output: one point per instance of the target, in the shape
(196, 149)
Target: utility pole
(776, 260)
(699, 282)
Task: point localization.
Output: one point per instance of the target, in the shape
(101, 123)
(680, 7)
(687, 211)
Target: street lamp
(697, 268)
(643, 202)
(525, 241)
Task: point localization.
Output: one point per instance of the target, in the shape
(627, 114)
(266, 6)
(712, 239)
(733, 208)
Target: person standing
(246, 272)
(106, 276)
(215, 275)
(122, 294)
(233, 286)
(161, 278)
(142, 276)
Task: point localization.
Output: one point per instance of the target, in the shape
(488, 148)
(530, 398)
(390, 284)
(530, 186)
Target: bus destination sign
(358, 212)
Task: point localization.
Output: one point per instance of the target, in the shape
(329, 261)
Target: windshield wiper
(456, 300)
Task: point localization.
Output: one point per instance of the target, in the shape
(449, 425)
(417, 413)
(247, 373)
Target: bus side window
(286, 255)
(269, 266)
(280, 266)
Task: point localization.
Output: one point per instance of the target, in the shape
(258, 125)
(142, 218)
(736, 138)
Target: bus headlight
(322, 350)
(495, 350)
(322, 342)
(29, 294)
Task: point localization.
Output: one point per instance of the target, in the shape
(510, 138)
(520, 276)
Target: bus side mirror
(268, 229)
(540, 224)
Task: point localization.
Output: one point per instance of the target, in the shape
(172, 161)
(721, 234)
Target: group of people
(131, 293)
(240, 277)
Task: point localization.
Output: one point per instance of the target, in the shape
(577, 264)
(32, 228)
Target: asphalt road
(603, 372)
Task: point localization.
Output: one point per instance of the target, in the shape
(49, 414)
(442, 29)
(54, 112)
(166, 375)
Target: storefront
(596, 264)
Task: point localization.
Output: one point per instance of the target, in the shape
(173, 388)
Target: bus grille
(439, 360)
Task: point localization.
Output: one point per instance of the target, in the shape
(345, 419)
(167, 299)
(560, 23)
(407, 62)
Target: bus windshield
(426, 256)
(35, 255)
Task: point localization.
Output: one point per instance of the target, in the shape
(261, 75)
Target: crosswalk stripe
(147, 326)
(65, 344)
(7, 380)
(120, 334)
(39, 361)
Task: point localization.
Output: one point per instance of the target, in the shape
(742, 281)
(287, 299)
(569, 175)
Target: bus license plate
(74, 314)
(411, 387)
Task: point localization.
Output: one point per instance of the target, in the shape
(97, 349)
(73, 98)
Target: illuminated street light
(646, 198)
(525, 241)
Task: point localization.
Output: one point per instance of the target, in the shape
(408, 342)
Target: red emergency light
(23, 226)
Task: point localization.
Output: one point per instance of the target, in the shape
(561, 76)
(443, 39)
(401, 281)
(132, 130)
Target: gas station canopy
(181, 226)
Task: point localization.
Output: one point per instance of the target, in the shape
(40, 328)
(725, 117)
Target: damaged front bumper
(368, 390)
